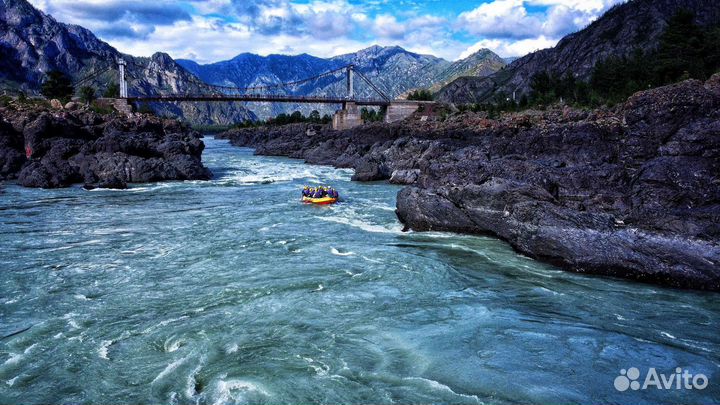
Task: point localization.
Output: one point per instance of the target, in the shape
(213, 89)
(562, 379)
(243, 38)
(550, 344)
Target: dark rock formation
(48, 149)
(114, 183)
(632, 192)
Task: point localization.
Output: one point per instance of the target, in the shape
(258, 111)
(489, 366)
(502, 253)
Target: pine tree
(87, 94)
(681, 50)
(112, 91)
(57, 85)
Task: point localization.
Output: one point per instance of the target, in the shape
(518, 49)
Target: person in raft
(320, 192)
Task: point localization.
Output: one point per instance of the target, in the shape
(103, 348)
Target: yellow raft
(320, 201)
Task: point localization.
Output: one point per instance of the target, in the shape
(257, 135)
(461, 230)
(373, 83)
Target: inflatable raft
(320, 201)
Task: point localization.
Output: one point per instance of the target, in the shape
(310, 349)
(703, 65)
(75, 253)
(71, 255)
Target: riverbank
(44, 147)
(631, 192)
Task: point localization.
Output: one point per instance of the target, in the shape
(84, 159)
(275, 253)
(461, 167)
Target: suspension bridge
(347, 116)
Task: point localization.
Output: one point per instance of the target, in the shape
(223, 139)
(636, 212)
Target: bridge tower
(350, 84)
(123, 83)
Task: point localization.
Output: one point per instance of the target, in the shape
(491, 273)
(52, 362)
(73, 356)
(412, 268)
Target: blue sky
(214, 30)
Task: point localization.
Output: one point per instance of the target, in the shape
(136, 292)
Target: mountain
(33, 43)
(248, 69)
(619, 32)
(480, 64)
(392, 69)
(395, 70)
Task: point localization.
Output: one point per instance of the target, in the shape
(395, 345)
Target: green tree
(712, 52)
(281, 119)
(682, 49)
(420, 95)
(314, 117)
(87, 94)
(145, 108)
(57, 85)
(296, 117)
(112, 91)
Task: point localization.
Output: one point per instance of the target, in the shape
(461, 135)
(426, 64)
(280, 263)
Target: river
(231, 291)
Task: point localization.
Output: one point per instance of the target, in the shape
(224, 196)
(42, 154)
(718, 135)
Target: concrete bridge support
(120, 105)
(399, 110)
(348, 117)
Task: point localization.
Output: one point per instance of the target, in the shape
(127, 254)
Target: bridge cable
(362, 76)
(280, 85)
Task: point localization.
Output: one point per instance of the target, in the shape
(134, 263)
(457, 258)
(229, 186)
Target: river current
(231, 291)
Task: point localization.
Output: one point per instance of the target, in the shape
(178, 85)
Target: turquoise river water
(231, 291)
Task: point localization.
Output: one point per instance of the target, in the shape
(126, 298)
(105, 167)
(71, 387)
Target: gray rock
(56, 150)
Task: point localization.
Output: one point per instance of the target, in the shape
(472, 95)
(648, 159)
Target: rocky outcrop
(632, 192)
(636, 24)
(45, 148)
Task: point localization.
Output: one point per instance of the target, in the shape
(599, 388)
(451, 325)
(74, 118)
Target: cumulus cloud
(212, 30)
(500, 18)
(117, 18)
(507, 47)
(511, 18)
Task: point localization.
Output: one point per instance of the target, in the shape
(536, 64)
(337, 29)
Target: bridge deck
(259, 98)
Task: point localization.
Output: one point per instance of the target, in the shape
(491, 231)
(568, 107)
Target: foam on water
(227, 391)
(170, 368)
(336, 252)
(13, 359)
(173, 344)
(103, 349)
(365, 226)
(435, 385)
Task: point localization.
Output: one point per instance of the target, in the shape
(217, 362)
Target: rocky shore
(51, 148)
(632, 192)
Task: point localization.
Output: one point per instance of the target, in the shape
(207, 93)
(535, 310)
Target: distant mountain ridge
(621, 30)
(393, 69)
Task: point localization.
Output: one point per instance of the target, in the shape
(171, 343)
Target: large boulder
(56, 149)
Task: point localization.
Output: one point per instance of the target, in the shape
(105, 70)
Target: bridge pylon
(122, 83)
(350, 82)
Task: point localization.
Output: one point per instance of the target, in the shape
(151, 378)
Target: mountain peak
(19, 13)
(481, 63)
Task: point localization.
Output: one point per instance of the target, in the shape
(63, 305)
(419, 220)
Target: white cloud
(505, 47)
(511, 19)
(387, 26)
